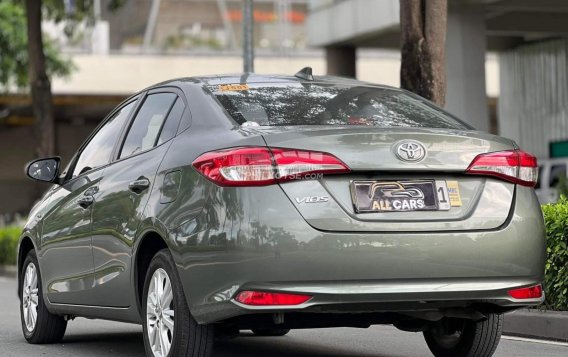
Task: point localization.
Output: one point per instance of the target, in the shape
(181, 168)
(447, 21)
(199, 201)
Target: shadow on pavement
(248, 345)
(122, 343)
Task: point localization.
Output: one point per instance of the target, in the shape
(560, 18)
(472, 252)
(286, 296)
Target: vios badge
(410, 151)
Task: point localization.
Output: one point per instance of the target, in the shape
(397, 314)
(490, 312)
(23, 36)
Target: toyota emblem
(410, 150)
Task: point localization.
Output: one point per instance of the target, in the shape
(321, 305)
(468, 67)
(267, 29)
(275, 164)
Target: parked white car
(549, 173)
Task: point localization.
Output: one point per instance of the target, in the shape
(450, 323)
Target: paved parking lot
(101, 338)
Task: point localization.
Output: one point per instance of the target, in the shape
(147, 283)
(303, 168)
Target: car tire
(275, 332)
(188, 338)
(465, 338)
(38, 324)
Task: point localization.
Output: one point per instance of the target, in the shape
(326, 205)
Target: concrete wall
(351, 21)
(533, 107)
(123, 74)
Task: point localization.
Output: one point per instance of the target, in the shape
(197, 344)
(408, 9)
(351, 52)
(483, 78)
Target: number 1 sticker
(443, 197)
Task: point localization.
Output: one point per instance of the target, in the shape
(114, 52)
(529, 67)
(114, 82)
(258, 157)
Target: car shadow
(119, 343)
(246, 345)
(249, 345)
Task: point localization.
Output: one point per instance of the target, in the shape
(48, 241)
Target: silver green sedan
(268, 203)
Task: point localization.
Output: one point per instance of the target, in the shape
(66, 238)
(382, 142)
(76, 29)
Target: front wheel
(169, 328)
(454, 337)
(38, 324)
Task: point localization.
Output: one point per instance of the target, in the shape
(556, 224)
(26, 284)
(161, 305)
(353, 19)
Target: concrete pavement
(101, 338)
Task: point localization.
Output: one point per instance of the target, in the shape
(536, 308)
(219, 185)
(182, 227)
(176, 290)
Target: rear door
(124, 192)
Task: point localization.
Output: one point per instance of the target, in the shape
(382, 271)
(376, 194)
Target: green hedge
(8, 244)
(556, 272)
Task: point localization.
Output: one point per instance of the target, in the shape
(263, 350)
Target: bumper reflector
(531, 292)
(259, 298)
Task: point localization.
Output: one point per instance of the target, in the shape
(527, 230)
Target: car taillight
(531, 292)
(514, 166)
(259, 298)
(260, 166)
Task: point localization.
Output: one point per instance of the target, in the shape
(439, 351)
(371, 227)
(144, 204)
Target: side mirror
(46, 170)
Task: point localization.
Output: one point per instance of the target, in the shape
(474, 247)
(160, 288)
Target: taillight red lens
(259, 298)
(246, 166)
(260, 166)
(531, 292)
(514, 166)
(293, 164)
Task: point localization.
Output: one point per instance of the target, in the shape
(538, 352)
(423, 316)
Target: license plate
(400, 196)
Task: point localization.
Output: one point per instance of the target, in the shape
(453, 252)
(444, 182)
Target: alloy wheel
(160, 313)
(30, 297)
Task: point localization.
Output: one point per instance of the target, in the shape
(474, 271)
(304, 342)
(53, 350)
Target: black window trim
(122, 138)
(134, 98)
(164, 123)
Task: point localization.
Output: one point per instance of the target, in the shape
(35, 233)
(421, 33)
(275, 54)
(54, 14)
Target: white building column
(465, 64)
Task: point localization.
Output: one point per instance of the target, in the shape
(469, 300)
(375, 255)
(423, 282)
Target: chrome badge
(410, 151)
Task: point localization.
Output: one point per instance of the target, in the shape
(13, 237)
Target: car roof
(242, 78)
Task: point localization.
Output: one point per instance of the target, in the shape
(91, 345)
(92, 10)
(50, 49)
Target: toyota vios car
(267, 203)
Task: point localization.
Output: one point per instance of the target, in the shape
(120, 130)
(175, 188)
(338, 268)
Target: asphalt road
(101, 338)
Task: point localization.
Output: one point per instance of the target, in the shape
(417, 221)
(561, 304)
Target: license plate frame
(385, 196)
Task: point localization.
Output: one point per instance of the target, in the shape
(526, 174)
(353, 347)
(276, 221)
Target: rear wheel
(169, 328)
(38, 324)
(270, 331)
(465, 338)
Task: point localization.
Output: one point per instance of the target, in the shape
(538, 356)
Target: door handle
(86, 201)
(91, 191)
(138, 186)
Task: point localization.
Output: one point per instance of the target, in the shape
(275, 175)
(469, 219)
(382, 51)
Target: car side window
(98, 151)
(170, 128)
(145, 128)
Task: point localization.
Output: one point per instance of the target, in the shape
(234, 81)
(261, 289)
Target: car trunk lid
(330, 202)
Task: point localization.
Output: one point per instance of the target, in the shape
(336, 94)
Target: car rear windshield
(330, 104)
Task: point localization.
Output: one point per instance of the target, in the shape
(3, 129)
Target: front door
(67, 259)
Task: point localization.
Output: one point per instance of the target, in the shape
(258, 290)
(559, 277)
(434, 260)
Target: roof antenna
(305, 73)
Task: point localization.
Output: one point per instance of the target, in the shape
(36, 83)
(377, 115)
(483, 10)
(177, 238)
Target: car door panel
(66, 242)
(124, 193)
(116, 216)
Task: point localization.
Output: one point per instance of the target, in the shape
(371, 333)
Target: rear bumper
(348, 298)
(348, 272)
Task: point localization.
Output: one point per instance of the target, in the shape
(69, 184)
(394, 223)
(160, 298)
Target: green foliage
(13, 49)
(556, 272)
(562, 186)
(9, 237)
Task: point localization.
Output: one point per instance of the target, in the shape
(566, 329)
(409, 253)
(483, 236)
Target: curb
(8, 271)
(539, 324)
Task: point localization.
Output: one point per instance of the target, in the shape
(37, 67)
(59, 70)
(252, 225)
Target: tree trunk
(40, 86)
(423, 39)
